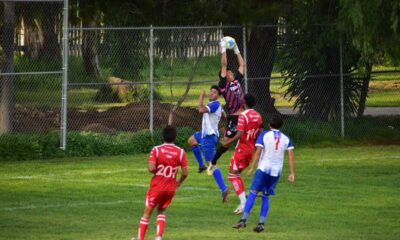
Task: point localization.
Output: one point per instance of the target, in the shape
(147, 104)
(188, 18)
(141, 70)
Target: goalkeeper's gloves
(222, 46)
(236, 49)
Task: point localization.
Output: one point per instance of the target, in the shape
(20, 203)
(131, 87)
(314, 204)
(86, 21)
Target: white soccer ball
(229, 42)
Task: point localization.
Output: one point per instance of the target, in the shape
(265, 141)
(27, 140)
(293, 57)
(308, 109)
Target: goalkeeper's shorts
(230, 129)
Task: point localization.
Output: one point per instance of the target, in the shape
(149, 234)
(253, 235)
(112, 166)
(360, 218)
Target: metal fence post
(245, 59)
(341, 88)
(151, 55)
(63, 140)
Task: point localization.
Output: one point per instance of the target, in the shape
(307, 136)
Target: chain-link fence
(31, 66)
(130, 79)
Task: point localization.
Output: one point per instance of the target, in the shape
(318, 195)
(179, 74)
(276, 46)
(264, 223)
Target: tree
(374, 28)
(50, 24)
(310, 61)
(7, 81)
(261, 43)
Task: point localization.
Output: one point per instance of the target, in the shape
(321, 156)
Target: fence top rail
(189, 27)
(32, 0)
(30, 73)
(155, 27)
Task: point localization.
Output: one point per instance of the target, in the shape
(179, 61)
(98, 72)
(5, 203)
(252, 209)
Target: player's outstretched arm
(224, 60)
(291, 165)
(239, 59)
(226, 142)
(202, 108)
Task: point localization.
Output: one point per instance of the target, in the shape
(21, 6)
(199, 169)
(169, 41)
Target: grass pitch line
(79, 204)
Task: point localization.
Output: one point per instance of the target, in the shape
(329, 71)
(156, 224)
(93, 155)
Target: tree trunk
(364, 90)
(50, 48)
(261, 54)
(7, 82)
(89, 51)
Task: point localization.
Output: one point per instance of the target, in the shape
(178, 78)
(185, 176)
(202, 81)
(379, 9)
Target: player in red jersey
(164, 162)
(248, 128)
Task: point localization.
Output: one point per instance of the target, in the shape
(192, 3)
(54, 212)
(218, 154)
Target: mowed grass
(339, 193)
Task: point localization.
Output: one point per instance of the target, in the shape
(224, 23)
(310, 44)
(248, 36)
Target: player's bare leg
(220, 150)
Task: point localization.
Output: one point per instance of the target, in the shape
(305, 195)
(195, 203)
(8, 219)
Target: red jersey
(167, 158)
(249, 123)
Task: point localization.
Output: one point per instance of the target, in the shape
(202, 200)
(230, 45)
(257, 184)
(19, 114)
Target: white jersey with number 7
(274, 144)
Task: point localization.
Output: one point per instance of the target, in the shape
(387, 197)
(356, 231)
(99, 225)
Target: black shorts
(230, 129)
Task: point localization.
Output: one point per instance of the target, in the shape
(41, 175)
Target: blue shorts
(208, 145)
(263, 182)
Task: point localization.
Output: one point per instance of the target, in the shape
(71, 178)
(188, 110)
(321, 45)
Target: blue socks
(197, 154)
(264, 208)
(249, 204)
(219, 179)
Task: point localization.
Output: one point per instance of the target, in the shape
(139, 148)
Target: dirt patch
(132, 117)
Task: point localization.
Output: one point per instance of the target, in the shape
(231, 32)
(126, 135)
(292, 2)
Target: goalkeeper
(231, 89)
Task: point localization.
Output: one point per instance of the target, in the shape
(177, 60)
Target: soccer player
(271, 146)
(206, 140)
(248, 128)
(230, 86)
(164, 162)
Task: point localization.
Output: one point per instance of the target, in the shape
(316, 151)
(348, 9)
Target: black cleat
(225, 195)
(259, 227)
(240, 224)
(202, 169)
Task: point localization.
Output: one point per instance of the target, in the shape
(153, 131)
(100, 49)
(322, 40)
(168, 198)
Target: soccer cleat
(259, 227)
(201, 169)
(210, 169)
(158, 238)
(239, 209)
(225, 195)
(240, 224)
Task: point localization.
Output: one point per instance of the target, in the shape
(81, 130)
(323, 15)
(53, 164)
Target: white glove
(222, 47)
(236, 49)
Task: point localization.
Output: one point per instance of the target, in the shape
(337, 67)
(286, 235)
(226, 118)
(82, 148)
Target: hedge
(46, 146)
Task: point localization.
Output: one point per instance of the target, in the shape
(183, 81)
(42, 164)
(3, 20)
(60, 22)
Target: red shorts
(160, 198)
(240, 159)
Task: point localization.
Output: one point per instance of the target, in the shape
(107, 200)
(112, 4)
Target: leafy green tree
(310, 61)
(374, 29)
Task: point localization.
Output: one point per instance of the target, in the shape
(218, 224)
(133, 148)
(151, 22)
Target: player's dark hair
(169, 134)
(276, 121)
(216, 88)
(250, 100)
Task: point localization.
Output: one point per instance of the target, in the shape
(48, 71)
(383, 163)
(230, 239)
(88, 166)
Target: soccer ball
(229, 42)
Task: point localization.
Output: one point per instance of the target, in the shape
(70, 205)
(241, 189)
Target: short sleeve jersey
(249, 123)
(168, 158)
(211, 118)
(274, 144)
(232, 92)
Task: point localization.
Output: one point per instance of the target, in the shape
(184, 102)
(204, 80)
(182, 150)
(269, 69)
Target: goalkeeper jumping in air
(231, 89)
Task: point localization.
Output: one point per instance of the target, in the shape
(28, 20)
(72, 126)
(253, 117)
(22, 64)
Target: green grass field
(339, 193)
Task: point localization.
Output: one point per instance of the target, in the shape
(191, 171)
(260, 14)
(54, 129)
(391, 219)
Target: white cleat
(239, 209)
(158, 238)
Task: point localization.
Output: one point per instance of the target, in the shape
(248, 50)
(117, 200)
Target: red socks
(144, 223)
(237, 183)
(160, 225)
